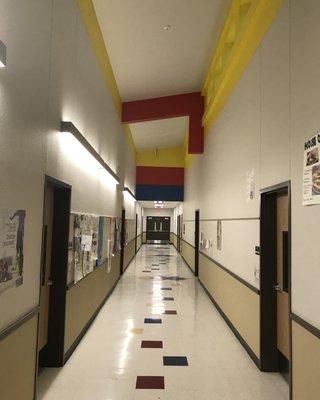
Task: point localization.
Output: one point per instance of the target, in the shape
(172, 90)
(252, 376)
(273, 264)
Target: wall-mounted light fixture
(127, 192)
(3, 55)
(93, 156)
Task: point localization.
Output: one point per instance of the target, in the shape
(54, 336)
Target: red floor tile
(151, 344)
(170, 312)
(150, 382)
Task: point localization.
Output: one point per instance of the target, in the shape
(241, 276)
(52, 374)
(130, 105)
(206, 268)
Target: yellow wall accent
(247, 23)
(91, 23)
(168, 157)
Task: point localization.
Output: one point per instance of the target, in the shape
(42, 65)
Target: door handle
(278, 288)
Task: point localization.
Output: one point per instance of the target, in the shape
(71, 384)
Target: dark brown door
(46, 281)
(282, 276)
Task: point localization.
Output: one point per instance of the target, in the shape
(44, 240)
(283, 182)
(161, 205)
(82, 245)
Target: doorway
(196, 241)
(54, 266)
(178, 233)
(158, 230)
(275, 279)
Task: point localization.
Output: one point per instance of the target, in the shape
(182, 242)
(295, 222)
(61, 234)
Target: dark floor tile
(168, 298)
(155, 269)
(151, 344)
(173, 278)
(170, 312)
(153, 321)
(166, 288)
(146, 271)
(175, 361)
(150, 382)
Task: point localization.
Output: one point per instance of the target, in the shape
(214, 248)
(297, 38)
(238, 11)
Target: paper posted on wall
(311, 171)
(11, 248)
(250, 185)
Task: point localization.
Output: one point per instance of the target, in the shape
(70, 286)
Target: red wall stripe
(160, 176)
(191, 104)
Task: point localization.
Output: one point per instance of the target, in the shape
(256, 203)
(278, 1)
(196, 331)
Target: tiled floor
(110, 362)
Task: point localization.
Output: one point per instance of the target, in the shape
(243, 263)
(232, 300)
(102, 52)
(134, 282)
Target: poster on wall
(311, 171)
(250, 182)
(219, 234)
(11, 248)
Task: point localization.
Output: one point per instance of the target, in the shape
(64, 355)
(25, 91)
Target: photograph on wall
(11, 248)
(311, 171)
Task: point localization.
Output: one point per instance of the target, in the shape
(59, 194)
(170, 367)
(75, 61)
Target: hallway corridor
(107, 363)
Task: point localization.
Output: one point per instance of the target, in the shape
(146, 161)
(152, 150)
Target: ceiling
(149, 61)
(169, 132)
(167, 204)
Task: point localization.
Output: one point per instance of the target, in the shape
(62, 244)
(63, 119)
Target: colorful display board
(93, 240)
(11, 248)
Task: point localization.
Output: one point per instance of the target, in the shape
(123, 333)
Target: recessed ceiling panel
(160, 47)
(158, 134)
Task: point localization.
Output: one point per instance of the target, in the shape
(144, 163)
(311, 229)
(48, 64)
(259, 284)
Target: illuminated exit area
(159, 200)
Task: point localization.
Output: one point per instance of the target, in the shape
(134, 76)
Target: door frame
(178, 233)
(196, 241)
(52, 355)
(268, 277)
(122, 239)
(136, 233)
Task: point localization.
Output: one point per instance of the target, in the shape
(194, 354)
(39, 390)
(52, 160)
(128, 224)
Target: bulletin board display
(93, 240)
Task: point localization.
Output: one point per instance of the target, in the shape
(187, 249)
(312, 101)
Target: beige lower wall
(305, 364)
(18, 361)
(129, 252)
(139, 242)
(85, 297)
(187, 252)
(173, 239)
(144, 237)
(238, 302)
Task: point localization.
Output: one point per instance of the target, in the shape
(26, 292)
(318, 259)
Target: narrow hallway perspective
(159, 336)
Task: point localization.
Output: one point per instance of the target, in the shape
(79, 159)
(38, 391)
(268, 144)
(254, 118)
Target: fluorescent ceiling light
(127, 192)
(3, 55)
(92, 158)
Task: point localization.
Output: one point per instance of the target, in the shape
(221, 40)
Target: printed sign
(11, 248)
(311, 171)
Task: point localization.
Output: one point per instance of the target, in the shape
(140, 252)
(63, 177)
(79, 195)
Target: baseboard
(248, 349)
(72, 348)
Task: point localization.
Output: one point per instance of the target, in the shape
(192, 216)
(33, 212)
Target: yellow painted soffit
(168, 157)
(91, 23)
(246, 25)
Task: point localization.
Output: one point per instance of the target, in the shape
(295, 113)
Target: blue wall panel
(159, 192)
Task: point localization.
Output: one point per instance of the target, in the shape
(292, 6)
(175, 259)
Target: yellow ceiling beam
(246, 25)
(91, 23)
(167, 157)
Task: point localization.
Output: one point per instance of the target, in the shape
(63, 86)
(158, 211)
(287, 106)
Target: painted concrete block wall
(252, 133)
(51, 75)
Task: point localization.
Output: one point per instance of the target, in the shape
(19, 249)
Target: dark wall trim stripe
(187, 243)
(17, 324)
(252, 355)
(306, 325)
(72, 348)
(247, 284)
(232, 219)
